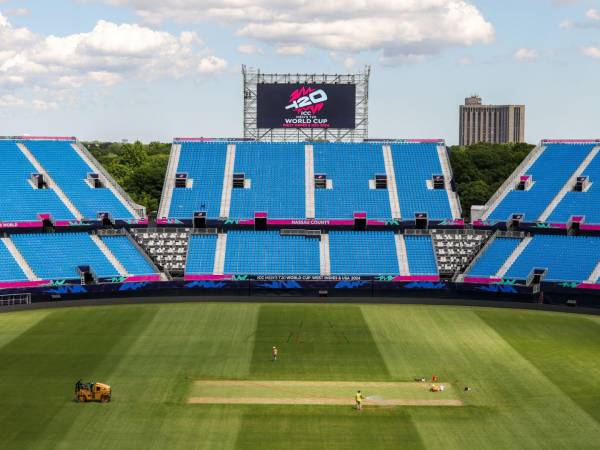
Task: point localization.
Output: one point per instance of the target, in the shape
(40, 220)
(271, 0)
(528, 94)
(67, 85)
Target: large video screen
(306, 106)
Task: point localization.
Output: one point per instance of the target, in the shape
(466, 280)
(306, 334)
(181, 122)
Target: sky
(157, 69)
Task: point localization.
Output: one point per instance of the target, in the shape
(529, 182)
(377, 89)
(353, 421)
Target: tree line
(479, 169)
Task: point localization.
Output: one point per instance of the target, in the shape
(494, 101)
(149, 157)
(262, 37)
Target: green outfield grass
(535, 376)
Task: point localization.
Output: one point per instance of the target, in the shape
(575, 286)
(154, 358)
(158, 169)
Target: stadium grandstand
(332, 217)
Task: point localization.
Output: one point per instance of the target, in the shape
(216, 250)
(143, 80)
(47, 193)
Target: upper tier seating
(9, 268)
(363, 253)
(19, 201)
(582, 203)
(201, 253)
(269, 253)
(490, 262)
(70, 172)
(275, 180)
(276, 174)
(421, 255)
(57, 255)
(204, 162)
(350, 167)
(550, 172)
(128, 255)
(414, 165)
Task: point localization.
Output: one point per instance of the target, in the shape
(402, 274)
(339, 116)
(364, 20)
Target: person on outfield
(274, 353)
(359, 399)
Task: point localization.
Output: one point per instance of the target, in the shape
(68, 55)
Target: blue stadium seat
(414, 164)
(488, 264)
(204, 162)
(70, 172)
(363, 253)
(9, 268)
(201, 254)
(57, 255)
(269, 253)
(567, 258)
(276, 173)
(350, 167)
(421, 255)
(128, 255)
(582, 203)
(550, 173)
(19, 201)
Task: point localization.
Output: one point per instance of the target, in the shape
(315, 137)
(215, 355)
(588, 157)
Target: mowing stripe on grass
(568, 354)
(327, 428)
(316, 342)
(153, 377)
(40, 367)
(514, 404)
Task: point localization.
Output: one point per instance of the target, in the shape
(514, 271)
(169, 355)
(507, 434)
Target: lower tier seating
(566, 258)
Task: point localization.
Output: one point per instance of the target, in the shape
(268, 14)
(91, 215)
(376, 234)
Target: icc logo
(307, 99)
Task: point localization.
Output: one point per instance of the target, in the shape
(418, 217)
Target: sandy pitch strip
(313, 400)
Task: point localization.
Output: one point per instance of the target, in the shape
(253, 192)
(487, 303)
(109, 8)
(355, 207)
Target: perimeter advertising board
(306, 106)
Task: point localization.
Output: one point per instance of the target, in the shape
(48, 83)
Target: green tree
(480, 169)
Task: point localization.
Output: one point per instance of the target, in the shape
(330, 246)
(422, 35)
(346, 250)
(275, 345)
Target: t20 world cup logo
(307, 99)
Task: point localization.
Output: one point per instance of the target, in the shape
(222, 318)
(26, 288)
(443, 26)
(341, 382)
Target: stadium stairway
(169, 183)
(18, 258)
(513, 257)
(220, 253)
(391, 182)
(227, 181)
(595, 275)
(49, 181)
(401, 254)
(309, 180)
(447, 172)
(109, 255)
(568, 186)
(325, 260)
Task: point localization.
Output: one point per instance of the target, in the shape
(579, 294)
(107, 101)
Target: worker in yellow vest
(359, 399)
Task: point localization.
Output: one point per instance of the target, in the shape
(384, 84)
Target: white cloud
(399, 29)
(592, 52)
(465, 61)
(106, 55)
(10, 101)
(591, 20)
(593, 14)
(290, 50)
(42, 105)
(526, 54)
(249, 49)
(211, 65)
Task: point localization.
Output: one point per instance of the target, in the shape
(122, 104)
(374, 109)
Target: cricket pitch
(257, 392)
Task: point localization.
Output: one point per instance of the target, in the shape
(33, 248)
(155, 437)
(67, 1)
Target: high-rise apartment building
(490, 123)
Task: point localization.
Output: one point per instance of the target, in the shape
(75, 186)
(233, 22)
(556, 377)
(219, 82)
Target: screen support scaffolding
(252, 77)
